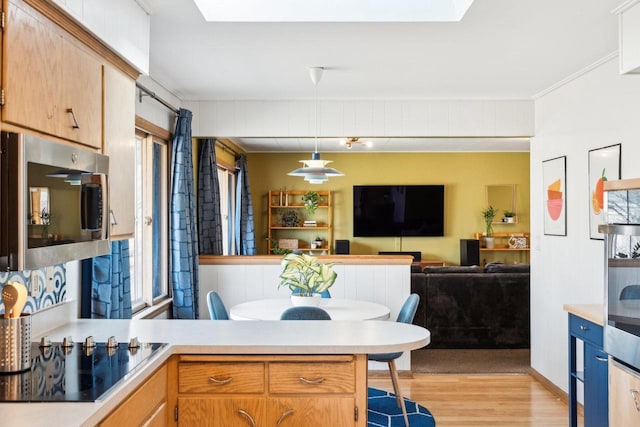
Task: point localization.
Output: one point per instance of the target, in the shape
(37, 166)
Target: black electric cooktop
(75, 373)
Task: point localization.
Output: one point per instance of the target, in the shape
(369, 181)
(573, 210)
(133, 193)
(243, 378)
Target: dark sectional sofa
(474, 307)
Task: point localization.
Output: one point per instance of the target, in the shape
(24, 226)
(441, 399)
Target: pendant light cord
(316, 113)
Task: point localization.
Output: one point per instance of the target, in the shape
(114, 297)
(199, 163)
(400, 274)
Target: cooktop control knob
(112, 342)
(134, 343)
(67, 342)
(89, 342)
(45, 341)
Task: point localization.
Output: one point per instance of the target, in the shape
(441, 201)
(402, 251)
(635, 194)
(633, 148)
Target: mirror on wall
(503, 199)
(39, 212)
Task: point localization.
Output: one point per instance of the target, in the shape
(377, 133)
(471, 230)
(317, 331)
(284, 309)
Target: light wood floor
(482, 400)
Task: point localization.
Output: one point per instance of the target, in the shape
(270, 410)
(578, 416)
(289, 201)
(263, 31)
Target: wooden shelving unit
(281, 201)
(501, 244)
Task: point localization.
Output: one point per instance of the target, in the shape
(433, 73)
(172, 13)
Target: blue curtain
(245, 230)
(209, 217)
(107, 280)
(183, 231)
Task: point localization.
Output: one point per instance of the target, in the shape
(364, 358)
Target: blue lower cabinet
(596, 387)
(595, 374)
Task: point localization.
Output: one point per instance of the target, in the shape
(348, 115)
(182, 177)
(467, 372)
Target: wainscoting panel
(384, 284)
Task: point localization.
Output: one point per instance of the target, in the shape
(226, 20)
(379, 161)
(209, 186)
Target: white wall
(399, 118)
(596, 109)
(121, 24)
(153, 111)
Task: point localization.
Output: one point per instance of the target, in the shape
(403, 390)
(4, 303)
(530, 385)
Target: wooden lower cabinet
(312, 412)
(284, 391)
(211, 412)
(624, 396)
(146, 406)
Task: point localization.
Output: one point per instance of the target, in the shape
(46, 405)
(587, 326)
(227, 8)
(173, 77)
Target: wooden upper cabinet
(81, 105)
(46, 76)
(119, 145)
(32, 73)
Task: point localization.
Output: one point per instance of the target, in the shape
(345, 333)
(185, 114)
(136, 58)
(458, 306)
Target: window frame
(151, 135)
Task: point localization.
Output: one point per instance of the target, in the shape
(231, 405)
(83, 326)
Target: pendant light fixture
(315, 171)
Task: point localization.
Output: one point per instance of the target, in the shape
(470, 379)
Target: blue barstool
(406, 315)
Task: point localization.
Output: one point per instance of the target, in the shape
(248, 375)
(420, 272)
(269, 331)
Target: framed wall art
(554, 175)
(604, 165)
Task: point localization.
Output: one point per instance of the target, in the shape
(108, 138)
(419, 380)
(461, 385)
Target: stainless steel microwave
(54, 202)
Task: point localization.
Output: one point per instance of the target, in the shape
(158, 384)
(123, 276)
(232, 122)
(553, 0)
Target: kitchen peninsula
(201, 341)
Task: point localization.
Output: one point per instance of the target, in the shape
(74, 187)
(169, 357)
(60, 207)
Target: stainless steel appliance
(75, 372)
(54, 202)
(622, 271)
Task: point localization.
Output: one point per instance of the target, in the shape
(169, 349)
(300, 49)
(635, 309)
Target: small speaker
(342, 247)
(469, 252)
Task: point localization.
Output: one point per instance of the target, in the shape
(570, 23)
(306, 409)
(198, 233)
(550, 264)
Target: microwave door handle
(105, 206)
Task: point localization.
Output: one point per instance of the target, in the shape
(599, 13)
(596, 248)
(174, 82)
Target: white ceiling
(502, 49)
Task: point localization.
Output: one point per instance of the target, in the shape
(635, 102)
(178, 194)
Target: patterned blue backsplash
(42, 298)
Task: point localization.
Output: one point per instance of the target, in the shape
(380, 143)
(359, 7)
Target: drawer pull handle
(602, 359)
(285, 415)
(248, 416)
(73, 116)
(308, 381)
(635, 393)
(584, 328)
(220, 382)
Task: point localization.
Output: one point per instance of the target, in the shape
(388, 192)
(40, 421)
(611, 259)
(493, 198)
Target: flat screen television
(398, 210)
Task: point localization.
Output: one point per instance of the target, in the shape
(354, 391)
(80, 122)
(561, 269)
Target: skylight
(333, 10)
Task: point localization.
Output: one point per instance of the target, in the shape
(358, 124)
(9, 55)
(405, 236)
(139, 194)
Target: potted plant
(509, 217)
(306, 277)
(311, 200)
(290, 218)
(488, 215)
(276, 249)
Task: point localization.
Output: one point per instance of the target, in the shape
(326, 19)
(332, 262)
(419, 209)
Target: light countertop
(212, 337)
(591, 312)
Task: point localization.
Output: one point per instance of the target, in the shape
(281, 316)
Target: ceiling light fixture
(315, 170)
(350, 142)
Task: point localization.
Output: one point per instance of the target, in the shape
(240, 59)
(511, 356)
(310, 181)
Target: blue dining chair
(406, 315)
(217, 310)
(305, 313)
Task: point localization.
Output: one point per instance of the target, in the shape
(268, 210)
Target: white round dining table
(338, 309)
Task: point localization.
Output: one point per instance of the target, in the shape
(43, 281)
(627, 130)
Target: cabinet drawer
(585, 330)
(312, 377)
(221, 377)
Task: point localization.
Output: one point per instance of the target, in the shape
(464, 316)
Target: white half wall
(597, 109)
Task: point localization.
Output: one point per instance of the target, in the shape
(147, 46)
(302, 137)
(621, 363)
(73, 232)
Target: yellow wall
(464, 176)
